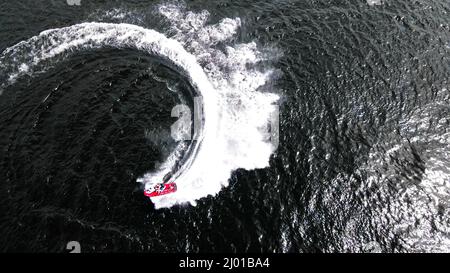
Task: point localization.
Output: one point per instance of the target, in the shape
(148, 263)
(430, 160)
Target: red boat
(161, 189)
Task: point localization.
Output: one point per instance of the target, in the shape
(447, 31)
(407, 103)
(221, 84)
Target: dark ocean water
(363, 162)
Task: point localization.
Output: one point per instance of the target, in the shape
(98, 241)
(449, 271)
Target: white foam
(240, 141)
(235, 112)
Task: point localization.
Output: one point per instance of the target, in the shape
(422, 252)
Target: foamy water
(236, 113)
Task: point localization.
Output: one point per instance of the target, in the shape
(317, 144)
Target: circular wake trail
(231, 135)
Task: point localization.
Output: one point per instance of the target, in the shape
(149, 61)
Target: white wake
(236, 113)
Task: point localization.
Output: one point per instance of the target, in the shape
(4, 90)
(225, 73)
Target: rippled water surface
(363, 161)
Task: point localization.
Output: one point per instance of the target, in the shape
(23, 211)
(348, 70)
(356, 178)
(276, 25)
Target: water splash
(236, 112)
